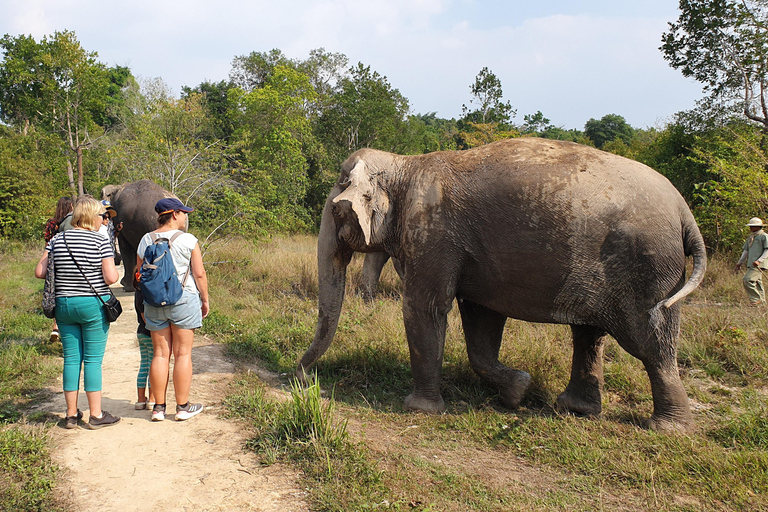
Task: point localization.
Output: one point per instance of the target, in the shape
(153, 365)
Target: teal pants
(83, 328)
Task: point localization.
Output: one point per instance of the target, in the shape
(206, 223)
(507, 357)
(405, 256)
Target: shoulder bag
(112, 307)
(49, 289)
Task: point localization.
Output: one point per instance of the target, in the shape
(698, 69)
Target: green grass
(480, 456)
(358, 449)
(27, 367)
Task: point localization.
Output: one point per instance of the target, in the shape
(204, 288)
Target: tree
(215, 97)
(273, 138)
(609, 128)
(364, 112)
(535, 124)
(724, 45)
(487, 96)
(251, 71)
(57, 85)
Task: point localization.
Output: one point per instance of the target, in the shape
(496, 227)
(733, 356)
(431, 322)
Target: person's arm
(41, 270)
(742, 260)
(109, 271)
(201, 278)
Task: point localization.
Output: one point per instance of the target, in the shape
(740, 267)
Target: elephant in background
(537, 230)
(372, 266)
(135, 206)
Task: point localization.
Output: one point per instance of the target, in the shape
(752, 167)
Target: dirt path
(138, 465)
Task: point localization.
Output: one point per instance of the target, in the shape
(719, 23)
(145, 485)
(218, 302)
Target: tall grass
(27, 366)
(267, 311)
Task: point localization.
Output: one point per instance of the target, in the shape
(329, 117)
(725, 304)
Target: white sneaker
(184, 413)
(158, 413)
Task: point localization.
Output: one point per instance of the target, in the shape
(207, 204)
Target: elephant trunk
(332, 261)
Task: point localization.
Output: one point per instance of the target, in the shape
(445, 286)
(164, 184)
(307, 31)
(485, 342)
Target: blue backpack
(158, 281)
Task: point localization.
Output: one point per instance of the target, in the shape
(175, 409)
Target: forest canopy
(258, 151)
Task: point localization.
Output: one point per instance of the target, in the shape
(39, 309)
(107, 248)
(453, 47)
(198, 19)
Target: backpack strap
(156, 236)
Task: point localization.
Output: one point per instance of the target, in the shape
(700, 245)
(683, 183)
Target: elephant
(532, 229)
(135, 206)
(372, 266)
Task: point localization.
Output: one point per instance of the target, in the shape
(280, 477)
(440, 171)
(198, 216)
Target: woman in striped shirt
(85, 266)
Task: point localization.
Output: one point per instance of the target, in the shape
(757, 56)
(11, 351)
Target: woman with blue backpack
(175, 288)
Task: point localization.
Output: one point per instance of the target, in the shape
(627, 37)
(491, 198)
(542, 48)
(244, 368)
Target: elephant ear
(369, 201)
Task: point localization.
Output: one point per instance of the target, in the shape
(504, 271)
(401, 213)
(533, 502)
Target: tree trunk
(80, 189)
(71, 176)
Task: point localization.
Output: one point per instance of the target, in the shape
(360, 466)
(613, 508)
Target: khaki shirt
(755, 246)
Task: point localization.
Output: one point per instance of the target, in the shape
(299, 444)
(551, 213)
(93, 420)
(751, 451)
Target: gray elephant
(135, 206)
(373, 264)
(533, 229)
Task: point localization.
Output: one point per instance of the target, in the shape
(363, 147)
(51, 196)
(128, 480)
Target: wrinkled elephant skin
(532, 229)
(135, 206)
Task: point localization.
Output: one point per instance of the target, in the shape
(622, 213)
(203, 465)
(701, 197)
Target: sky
(572, 60)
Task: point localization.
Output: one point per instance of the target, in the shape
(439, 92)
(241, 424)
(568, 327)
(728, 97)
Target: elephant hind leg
(583, 394)
(657, 350)
(483, 329)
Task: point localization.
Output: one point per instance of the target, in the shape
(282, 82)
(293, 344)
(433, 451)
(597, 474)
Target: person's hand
(205, 308)
(738, 267)
(756, 263)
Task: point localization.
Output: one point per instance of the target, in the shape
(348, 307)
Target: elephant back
(135, 206)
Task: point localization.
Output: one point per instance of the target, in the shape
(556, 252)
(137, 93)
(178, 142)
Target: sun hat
(755, 221)
(171, 204)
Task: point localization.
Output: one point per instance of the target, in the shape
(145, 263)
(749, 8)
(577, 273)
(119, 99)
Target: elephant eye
(346, 182)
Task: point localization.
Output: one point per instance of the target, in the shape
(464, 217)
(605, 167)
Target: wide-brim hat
(755, 222)
(171, 204)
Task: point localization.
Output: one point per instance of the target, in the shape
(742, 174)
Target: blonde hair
(85, 212)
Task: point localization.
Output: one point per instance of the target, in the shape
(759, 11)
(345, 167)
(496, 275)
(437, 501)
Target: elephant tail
(694, 246)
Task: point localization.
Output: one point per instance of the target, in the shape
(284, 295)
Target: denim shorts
(185, 314)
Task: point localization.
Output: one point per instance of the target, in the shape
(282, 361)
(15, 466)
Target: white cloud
(570, 66)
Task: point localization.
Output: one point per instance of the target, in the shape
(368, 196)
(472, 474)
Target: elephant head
(361, 207)
(356, 217)
(109, 192)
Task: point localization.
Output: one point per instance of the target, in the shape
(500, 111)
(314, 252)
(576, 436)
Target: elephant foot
(304, 377)
(580, 404)
(512, 393)
(671, 423)
(417, 403)
(127, 284)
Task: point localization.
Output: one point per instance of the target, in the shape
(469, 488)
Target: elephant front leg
(425, 329)
(583, 395)
(483, 329)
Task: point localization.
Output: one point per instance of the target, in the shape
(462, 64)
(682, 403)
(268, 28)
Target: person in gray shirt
(755, 256)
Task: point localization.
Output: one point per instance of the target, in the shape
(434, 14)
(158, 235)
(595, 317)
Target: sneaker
(187, 411)
(158, 412)
(72, 421)
(140, 406)
(54, 336)
(106, 420)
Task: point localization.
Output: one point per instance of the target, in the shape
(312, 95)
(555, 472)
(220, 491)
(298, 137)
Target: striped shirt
(88, 249)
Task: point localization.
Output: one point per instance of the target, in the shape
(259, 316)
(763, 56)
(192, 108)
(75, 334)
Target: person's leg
(751, 278)
(162, 344)
(95, 332)
(72, 352)
(146, 351)
(182, 362)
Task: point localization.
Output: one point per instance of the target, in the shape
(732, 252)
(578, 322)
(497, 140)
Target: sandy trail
(138, 465)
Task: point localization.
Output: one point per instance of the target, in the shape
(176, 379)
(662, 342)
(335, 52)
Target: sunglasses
(104, 215)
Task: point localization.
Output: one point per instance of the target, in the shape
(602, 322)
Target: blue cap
(171, 204)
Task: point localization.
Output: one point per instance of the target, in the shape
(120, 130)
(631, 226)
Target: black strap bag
(49, 289)
(112, 307)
